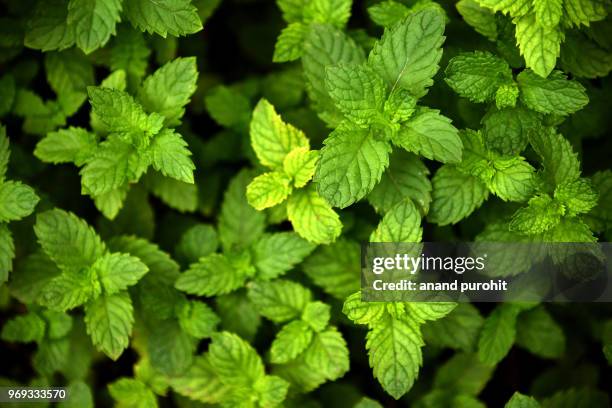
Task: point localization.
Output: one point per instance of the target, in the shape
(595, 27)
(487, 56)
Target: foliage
(185, 184)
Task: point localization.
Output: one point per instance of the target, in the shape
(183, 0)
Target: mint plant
(186, 186)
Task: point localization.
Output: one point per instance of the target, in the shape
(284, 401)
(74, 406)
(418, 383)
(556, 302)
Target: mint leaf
(357, 91)
(405, 178)
(539, 45)
(268, 190)
(17, 201)
(560, 162)
(168, 89)
(431, 135)
(402, 223)
(300, 165)
(394, 350)
(68, 240)
(326, 46)
(290, 342)
(279, 300)
(290, 43)
(109, 321)
(498, 334)
(477, 75)
(519, 400)
(351, 164)
(71, 145)
(171, 156)
(235, 361)
(312, 217)
(408, 54)
(211, 275)
(514, 179)
(541, 214)
(275, 254)
(272, 138)
(455, 195)
(555, 94)
(387, 13)
(480, 18)
(7, 252)
(118, 271)
(174, 17)
(93, 22)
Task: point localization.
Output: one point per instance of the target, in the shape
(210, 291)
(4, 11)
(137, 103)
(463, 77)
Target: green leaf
(93, 22)
(69, 290)
(198, 241)
(480, 18)
(119, 111)
(268, 190)
(24, 329)
(171, 156)
(198, 319)
(273, 139)
(326, 46)
(174, 17)
(129, 53)
(234, 360)
(455, 195)
(212, 275)
(560, 162)
(506, 96)
(7, 253)
(272, 391)
(290, 43)
(506, 130)
(312, 217)
(578, 196)
(555, 94)
(477, 75)
(537, 331)
(351, 164)
(239, 223)
(408, 54)
(107, 169)
(109, 321)
(431, 135)
(363, 312)
(69, 73)
(70, 145)
(581, 12)
(388, 13)
(463, 374)
(498, 333)
(402, 223)
(118, 271)
(519, 400)
(17, 201)
(600, 217)
(129, 392)
(290, 341)
(406, 178)
(317, 315)
(169, 89)
(300, 165)
(275, 254)
(335, 268)
(68, 240)
(333, 12)
(539, 45)
(200, 382)
(548, 13)
(279, 300)
(541, 214)
(357, 91)
(458, 330)
(228, 107)
(328, 354)
(80, 396)
(170, 348)
(177, 194)
(48, 28)
(514, 179)
(394, 350)
(4, 152)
